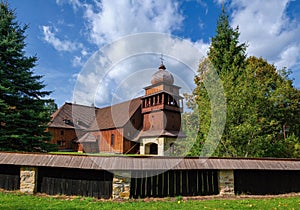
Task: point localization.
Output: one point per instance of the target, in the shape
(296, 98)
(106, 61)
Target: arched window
(112, 139)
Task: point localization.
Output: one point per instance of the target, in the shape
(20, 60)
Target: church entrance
(151, 149)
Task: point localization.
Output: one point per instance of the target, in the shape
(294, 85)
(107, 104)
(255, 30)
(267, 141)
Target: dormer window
(68, 122)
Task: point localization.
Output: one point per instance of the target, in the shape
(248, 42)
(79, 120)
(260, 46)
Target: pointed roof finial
(162, 66)
(161, 59)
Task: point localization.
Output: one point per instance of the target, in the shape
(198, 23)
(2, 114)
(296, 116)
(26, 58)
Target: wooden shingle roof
(73, 116)
(115, 116)
(146, 163)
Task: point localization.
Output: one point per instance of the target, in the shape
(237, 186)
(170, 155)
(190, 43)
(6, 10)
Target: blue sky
(65, 34)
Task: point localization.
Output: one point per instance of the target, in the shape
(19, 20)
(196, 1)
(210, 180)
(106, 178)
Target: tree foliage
(23, 114)
(263, 107)
(225, 52)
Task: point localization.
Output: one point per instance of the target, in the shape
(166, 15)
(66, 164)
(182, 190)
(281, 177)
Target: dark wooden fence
(174, 183)
(94, 183)
(260, 182)
(9, 177)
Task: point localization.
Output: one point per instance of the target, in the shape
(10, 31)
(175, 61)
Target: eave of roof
(163, 91)
(162, 133)
(161, 83)
(146, 163)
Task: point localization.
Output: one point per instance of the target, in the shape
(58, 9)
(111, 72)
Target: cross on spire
(162, 59)
(162, 66)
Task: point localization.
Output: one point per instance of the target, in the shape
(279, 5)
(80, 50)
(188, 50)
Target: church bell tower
(161, 110)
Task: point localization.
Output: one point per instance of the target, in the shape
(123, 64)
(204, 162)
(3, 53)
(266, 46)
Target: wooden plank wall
(63, 134)
(9, 177)
(266, 182)
(174, 183)
(105, 140)
(81, 182)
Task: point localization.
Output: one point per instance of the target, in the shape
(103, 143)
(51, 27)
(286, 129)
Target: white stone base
(28, 179)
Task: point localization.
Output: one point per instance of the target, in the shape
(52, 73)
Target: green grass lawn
(20, 201)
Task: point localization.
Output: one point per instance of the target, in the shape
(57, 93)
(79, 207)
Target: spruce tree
(225, 52)
(226, 56)
(23, 114)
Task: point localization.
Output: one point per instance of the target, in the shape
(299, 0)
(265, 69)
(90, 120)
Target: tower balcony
(158, 107)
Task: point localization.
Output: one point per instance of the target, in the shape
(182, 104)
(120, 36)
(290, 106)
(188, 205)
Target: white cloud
(109, 20)
(270, 33)
(122, 69)
(60, 45)
(220, 1)
(77, 61)
(289, 56)
(75, 3)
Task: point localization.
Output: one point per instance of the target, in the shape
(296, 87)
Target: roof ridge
(75, 104)
(123, 102)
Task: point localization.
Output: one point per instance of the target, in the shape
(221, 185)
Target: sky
(104, 51)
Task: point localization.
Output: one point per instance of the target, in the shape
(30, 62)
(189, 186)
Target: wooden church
(148, 125)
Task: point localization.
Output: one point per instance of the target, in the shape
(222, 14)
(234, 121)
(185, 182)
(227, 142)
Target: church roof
(83, 117)
(115, 116)
(73, 116)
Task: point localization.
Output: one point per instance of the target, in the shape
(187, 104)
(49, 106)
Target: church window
(112, 139)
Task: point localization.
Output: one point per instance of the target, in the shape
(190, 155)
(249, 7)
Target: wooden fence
(64, 181)
(266, 182)
(84, 175)
(174, 183)
(9, 177)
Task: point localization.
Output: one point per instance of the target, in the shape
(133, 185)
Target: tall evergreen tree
(225, 52)
(23, 114)
(227, 57)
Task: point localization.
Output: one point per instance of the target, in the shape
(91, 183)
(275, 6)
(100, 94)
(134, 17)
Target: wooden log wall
(66, 135)
(174, 183)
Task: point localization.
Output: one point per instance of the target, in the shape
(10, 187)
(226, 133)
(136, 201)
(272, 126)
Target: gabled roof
(115, 116)
(73, 116)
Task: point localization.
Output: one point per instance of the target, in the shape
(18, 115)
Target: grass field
(19, 201)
